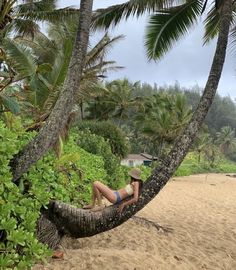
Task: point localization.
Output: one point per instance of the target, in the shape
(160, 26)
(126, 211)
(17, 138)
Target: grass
(190, 165)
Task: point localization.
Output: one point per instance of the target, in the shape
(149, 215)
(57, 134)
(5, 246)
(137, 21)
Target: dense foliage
(191, 165)
(32, 72)
(97, 145)
(109, 132)
(68, 179)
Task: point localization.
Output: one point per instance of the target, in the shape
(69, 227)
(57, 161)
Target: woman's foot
(97, 208)
(57, 254)
(89, 206)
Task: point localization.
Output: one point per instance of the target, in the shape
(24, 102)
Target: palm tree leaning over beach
(65, 219)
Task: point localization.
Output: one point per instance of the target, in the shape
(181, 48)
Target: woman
(116, 196)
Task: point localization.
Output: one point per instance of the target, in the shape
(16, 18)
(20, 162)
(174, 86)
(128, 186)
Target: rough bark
(81, 223)
(60, 113)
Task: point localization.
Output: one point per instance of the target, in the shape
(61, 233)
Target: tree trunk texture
(82, 223)
(48, 135)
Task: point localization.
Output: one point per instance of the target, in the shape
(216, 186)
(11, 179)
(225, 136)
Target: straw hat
(135, 173)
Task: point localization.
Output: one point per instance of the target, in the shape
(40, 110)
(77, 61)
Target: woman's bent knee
(96, 183)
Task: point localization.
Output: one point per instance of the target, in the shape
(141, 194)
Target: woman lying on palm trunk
(116, 196)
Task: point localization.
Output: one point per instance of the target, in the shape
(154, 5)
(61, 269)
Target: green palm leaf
(8, 99)
(111, 16)
(57, 76)
(101, 48)
(45, 48)
(233, 30)
(59, 69)
(25, 27)
(212, 23)
(168, 25)
(44, 10)
(20, 58)
(10, 103)
(34, 6)
(53, 16)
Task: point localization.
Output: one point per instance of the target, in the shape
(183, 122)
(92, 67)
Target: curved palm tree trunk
(81, 223)
(60, 113)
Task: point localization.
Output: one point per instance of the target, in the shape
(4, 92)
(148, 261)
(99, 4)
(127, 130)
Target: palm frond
(52, 16)
(41, 45)
(24, 27)
(20, 58)
(111, 16)
(101, 48)
(9, 101)
(60, 66)
(212, 23)
(102, 67)
(168, 26)
(34, 6)
(233, 29)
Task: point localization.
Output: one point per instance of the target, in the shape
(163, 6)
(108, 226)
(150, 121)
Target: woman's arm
(134, 199)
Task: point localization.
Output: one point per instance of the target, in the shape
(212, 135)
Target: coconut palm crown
(168, 22)
(23, 17)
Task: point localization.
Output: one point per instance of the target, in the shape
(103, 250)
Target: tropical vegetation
(52, 82)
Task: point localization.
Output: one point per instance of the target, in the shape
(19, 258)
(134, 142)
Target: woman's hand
(120, 208)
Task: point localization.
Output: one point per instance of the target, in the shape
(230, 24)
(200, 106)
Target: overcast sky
(188, 62)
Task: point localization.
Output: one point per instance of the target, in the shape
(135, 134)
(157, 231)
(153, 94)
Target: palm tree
(163, 119)
(201, 143)
(226, 139)
(42, 64)
(22, 17)
(58, 118)
(96, 68)
(121, 98)
(116, 102)
(65, 219)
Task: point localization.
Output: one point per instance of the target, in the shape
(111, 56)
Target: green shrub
(67, 179)
(18, 211)
(232, 156)
(97, 145)
(111, 133)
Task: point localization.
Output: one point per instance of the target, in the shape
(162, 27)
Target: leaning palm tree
(65, 219)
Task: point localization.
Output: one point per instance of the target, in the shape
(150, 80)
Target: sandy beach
(196, 218)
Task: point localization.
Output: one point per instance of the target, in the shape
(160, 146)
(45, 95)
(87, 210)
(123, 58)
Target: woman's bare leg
(99, 190)
(96, 195)
(105, 191)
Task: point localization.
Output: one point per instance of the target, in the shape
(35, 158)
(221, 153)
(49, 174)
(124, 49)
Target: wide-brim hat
(135, 173)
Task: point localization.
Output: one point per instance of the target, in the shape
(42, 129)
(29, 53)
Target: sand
(197, 215)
